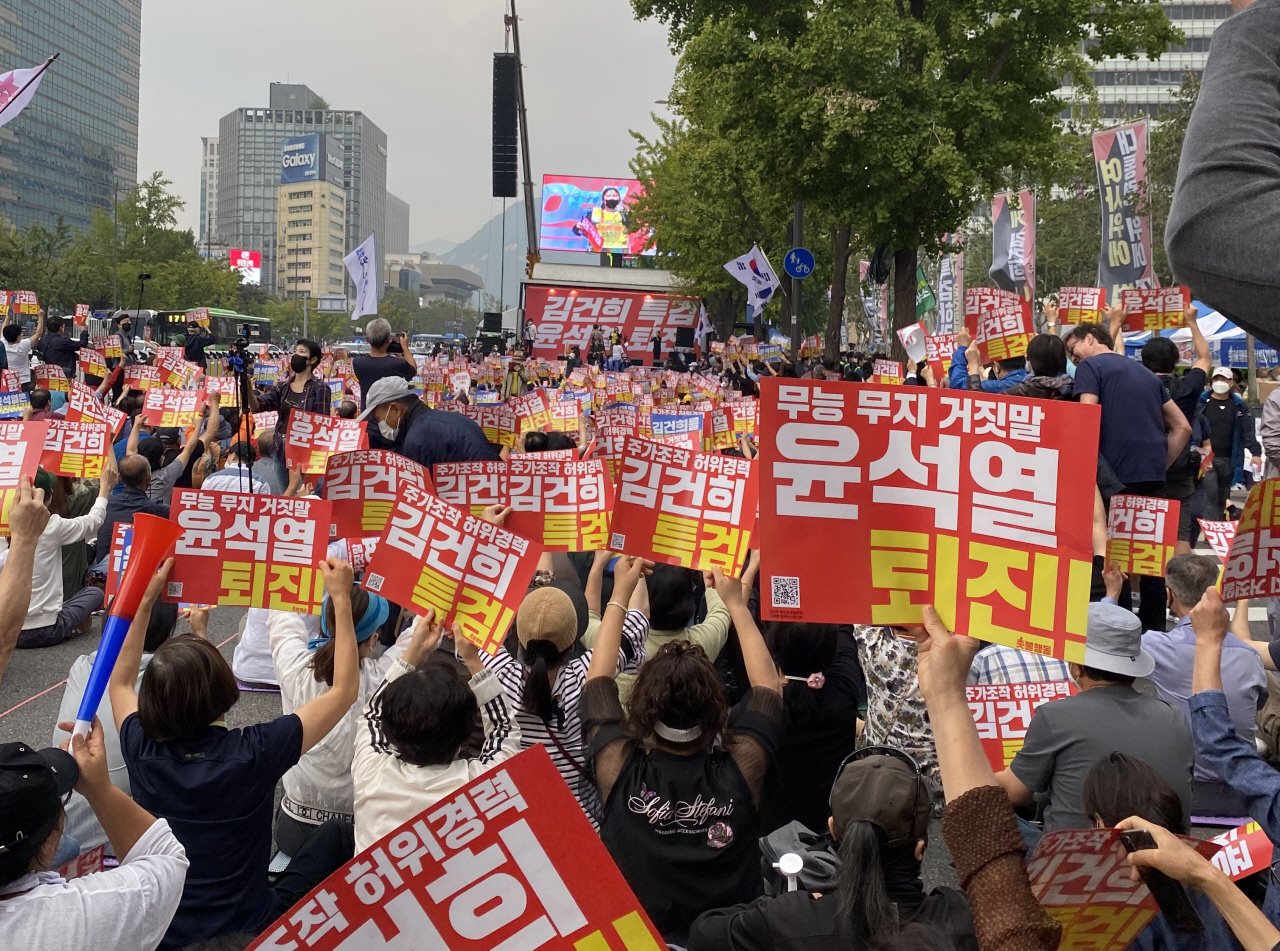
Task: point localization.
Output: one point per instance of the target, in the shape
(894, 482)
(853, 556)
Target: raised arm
(595, 581)
(604, 655)
(210, 430)
(39, 332)
(122, 687)
(1199, 344)
(321, 714)
(1115, 324)
(761, 670)
(27, 519)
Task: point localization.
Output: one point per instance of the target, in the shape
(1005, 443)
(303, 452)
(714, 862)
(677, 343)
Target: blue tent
(1226, 341)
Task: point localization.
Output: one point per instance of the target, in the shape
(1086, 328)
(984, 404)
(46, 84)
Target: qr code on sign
(617, 542)
(173, 589)
(786, 592)
(373, 582)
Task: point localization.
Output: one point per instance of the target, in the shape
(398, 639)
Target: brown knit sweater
(990, 858)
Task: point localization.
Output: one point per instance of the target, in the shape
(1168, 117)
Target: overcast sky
(420, 70)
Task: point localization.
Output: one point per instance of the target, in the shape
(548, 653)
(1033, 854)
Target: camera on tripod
(237, 360)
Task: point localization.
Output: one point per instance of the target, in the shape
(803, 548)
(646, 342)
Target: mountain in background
(439, 247)
(483, 253)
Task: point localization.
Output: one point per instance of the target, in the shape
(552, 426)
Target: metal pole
(524, 134)
(115, 239)
(1251, 355)
(306, 300)
(797, 234)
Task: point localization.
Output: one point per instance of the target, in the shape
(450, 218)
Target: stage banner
(1013, 243)
(1160, 308)
(247, 550)
(363, 485)
(680, 507)
(472, 486)
(314, 437)
(1142, 533)
(1120, 160)
(1081, 305)
(999, 322)
(472, 573)
(963, 500)
(507, 861)
(562, 504)
(564, 318)
(21, 445)
(75, 450)
(1003, 714)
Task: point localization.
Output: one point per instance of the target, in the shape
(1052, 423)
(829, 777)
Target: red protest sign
(109, 346)
(75, 450)
(566, 415)
(169, 407)
(84, 407)
(265, 422)
(199, 315)
(364, 484)
(1154, 308)
(24, 303)
(81, 315)
(314, 437)
(49, 377)
(248, 550)
(938, 352)
(1245, 850)
(888, 372)
(121, 544)
(746, 416)
(497, 421)
(471, 486)
(1252, 568)
(998, 321)
(1218, 535)
(503, 862)
(1003, 714)
(224, 386)
(174, 370)
(964, 500)
(355, 551)
(1081, 305)
(561, 504)
(682, 507)
(470, 572)
(20, 447)
(93, 363)
(139, 376)
(719, 429)
(1142, 533)
(533, 411)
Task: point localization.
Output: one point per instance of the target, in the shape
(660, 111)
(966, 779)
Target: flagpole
(39, 72)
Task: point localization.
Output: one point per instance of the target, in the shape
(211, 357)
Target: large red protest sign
(1245, 850)
(1142, 533)
(1252, 569)
(472, 486)
(110, 346)
(49, 377)
(93, 363)
(169, 407)
(1003, 712)
(1154, 308)
(314, 437)
(1218, 536)
(363, 486)
(508, 861)
(84, 407)
(681, 507)
(564, 318)
(75, 450)
(533, 411)
(249, 550)
(561, 504)
(472, 573)
(939, 350)
(1081, 305)
(139, 376)
(174, 370)
(876, 501)
(21, 445)
(999, 322)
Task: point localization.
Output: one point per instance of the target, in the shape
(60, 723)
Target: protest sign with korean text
(174, 370)
(677, 429)
(1252, 568)
(363, 485)
(13, 403)
(1218, 536)
(110, 346)
(314, 437)
(1002, 713)
(84, 407)
(21, 445)
(23, 303)
(1245, 850)
(247, 550)
(564, 318)
(169, 407)
(93, 363)
(472, 573)
(507, 861)
(49, 377)
(682, 507)
(939, 350)
(887, 372)
(562, 504)
(533, 411)
(1142, 533)
(472, 486)
(719, 429)
(999, 322)
(1081, 305)
(75, 450)
(265, 422)
(967, 501)
(1154, 308)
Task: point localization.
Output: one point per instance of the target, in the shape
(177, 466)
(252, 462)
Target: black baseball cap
(33, 784)
(885, 788)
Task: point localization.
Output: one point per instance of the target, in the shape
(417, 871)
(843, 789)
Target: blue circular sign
(798, 263)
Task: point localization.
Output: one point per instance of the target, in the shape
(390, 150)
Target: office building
(76, 145)
(397, 225)
(311, 216)
(208, 192)
(1137, 87)
(250, 141)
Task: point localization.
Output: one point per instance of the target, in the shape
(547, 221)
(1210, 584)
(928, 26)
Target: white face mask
(388, 432)
(1221, 386)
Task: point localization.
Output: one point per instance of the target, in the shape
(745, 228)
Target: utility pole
(513, 21)
(115, 238)
(306, 300)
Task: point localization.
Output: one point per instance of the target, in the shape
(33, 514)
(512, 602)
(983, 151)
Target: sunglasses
(921, 788)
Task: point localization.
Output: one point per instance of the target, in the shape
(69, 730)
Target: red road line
(60, 683)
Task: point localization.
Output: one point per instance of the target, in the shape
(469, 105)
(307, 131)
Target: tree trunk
(840, 251)
(903, 313)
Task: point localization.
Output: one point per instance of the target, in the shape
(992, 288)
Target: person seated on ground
(268, 472)
(1187, 577)
(41, 405)
(1066, 737)
(215, 785)
(677, 744)
(348, 409)
(407, 754)
(880, 809)
(52, 618)
(126, 907)
(239, 472)
(82, 826)
(164, 476)
(123, 504)
(320, 787)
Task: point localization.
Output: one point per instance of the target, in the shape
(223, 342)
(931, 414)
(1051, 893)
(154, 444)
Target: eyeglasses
(1071, 354)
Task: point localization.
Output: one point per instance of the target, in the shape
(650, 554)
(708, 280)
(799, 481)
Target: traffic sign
(798, 263)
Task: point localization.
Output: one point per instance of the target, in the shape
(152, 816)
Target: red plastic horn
(152, 538)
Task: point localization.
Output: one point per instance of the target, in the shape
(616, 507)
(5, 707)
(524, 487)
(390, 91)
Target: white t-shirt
(126, 907)
(19, 355)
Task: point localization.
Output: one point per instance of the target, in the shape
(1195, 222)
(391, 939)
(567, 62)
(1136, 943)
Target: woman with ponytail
(880, 808)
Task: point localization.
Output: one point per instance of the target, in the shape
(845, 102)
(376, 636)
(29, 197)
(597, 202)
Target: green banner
(926, 300)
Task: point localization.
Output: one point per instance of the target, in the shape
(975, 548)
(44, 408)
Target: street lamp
(142, 285)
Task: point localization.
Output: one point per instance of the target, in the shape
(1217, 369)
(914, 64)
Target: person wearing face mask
(426, 436)
(608, 225)
(1231, 432)
(302, 389)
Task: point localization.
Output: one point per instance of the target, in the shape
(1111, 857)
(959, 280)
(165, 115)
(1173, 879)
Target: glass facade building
(78, 139)
(249, 148)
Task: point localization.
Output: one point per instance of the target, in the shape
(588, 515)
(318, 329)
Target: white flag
(754, 271)
(704, 326)
(17, 87)
(362, 265)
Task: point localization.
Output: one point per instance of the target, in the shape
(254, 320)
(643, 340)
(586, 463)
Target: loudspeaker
(492, 322)
(684, 336)
(505, 129)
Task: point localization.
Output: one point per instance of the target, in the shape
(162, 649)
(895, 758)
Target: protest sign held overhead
(562, 504)
(75, 450)
(363, 485)
(998, 321)
(169, 407)
(313, 437)
(1157, 308)
(1142, 533)
(1081, 305)
(1252, 568)
(21, 445)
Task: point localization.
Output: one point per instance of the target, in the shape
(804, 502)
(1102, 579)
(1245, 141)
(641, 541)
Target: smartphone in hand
(1170, 896)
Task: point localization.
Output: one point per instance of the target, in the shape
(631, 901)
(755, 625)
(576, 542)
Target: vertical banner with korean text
(363, 486)
(951, 288)
(1142, 533)
(1120, 159)
(1013, 242)
(966, 501)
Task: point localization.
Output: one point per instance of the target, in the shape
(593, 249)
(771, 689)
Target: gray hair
(378, 333)
(1189, 576)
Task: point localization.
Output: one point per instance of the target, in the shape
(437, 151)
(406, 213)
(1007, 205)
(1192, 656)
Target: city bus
(168, 328)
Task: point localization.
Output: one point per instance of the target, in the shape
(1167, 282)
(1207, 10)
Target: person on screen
(606, 226)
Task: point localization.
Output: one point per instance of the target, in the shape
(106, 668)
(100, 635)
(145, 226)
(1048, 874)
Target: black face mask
(298, 363)
(125, 328)
(611, 203)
